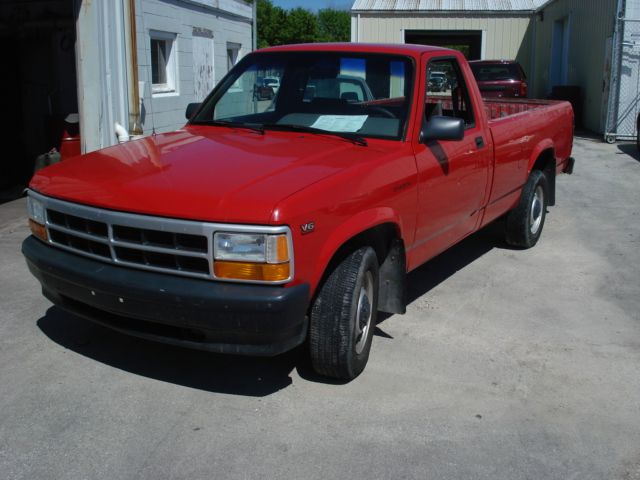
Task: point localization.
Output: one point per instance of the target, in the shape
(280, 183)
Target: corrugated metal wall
(506, 37)
(591, 23)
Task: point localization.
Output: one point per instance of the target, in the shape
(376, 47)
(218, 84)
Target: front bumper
(220, 317)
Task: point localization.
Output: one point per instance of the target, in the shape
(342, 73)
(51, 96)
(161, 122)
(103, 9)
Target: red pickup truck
(264, 224)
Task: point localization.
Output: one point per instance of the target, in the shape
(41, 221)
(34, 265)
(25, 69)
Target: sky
(314, 5)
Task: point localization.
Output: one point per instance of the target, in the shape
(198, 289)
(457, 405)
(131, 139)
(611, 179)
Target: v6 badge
(307, 227)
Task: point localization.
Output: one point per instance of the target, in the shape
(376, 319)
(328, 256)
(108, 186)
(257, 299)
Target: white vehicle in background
(272, 82)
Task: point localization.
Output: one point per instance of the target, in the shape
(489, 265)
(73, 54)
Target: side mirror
(442, 128)
(191, 109)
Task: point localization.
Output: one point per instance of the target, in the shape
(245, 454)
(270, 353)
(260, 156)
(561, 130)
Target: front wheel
(525, 221)
(343, 317)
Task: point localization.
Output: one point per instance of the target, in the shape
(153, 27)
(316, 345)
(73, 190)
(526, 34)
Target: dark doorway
(38, 88)
(469, 42)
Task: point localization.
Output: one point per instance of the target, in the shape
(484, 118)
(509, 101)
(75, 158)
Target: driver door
(452, 174)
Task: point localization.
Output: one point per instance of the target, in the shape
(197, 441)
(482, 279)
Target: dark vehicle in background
(500, 78)
(438, 82)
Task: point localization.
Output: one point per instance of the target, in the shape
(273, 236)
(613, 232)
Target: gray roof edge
(443, 12)
(542, 6)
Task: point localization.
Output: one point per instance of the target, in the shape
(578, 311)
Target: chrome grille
(181, 247)
(180, 252)
(76, 242)
(155, 238)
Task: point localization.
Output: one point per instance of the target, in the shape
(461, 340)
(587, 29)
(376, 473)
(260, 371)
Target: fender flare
(350, 228)
(541, 146)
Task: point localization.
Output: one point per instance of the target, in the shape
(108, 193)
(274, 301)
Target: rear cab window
(497, 72)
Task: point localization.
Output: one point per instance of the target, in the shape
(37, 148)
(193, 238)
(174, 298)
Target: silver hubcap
(364, 314)
(537, 206)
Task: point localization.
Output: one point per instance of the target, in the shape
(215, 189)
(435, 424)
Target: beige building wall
(591, 22)
(504, 36)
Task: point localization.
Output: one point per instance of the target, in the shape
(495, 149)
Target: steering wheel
(384, 111)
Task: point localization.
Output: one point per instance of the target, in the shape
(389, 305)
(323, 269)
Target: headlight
(35, 210)
(252, 256)
(243, 247)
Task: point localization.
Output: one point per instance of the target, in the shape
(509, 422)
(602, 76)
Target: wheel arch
(382, 231)
(543, 158)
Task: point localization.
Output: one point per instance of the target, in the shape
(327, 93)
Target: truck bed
(521, 131)
(503, 107)
(497, 108)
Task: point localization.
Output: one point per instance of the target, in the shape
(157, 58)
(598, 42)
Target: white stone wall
(228, 21)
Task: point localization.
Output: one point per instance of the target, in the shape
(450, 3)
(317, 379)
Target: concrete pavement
(508, 365)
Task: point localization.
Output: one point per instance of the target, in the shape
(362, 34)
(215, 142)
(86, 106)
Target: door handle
(479, 142)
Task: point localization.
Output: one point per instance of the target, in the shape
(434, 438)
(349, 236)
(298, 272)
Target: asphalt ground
(509, 364)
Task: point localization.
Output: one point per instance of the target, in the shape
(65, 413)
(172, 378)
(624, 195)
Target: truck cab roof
(398, 49)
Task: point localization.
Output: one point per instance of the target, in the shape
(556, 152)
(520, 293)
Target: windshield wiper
(352, 136)
(254, 127)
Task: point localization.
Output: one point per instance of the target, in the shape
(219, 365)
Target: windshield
(361, 94)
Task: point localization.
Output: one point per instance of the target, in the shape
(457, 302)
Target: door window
(447, 93)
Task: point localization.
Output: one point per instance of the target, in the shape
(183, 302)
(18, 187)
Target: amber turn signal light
(281, 253)
(38, 230)
(262, 272)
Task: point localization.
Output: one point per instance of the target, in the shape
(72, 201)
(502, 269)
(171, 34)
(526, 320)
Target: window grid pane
(159, 61)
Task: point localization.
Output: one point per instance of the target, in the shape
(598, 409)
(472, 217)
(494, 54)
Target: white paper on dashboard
(340, 123)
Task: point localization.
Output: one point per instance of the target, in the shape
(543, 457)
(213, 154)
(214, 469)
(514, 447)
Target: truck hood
(201, 173)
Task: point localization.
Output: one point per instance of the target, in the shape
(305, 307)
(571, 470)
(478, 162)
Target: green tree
(277, 26)
(334, 25)
(301, 26)
(272, 23)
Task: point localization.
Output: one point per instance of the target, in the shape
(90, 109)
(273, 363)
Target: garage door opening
(467, 42)
(38, 87)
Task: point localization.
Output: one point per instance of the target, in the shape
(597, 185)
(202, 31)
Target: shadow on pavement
(250, 376)
(630, 149)
(238, 375)
(435, 271)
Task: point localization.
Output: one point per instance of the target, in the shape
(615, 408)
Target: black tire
(338, 344)
(524, 223)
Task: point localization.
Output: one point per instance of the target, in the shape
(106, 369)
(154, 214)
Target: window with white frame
(233, 52)
(163, 62)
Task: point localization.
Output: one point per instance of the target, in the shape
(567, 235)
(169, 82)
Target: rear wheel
(525, 221)
(343, 317)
